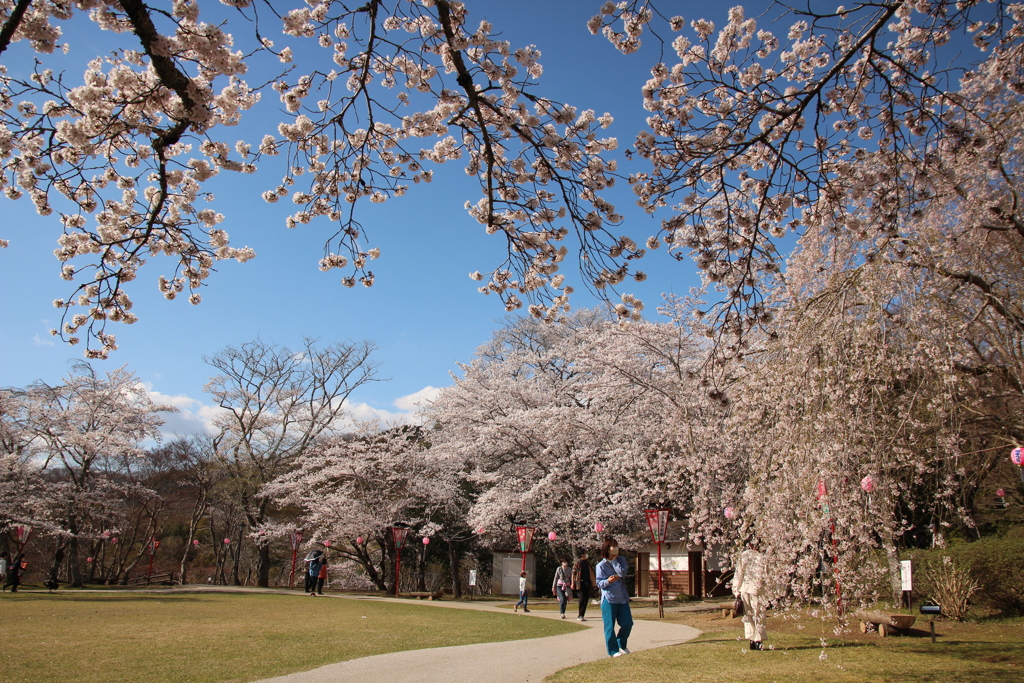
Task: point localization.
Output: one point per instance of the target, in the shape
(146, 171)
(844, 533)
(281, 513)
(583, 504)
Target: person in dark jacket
(14, 573)
(313, 574)
(582, 583)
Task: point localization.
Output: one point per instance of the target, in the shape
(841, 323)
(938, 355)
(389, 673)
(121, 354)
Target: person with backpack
(313, 572)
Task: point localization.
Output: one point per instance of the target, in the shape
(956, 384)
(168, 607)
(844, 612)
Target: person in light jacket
(560, 586)
(611, 579)
(523, 592)
(748, 583)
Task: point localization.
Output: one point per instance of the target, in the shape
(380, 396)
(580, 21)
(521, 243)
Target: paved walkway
(526, 661)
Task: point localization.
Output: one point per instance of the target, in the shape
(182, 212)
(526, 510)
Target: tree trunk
(76, 573)
(895, 582)
(198, 510)
(455, 567)
(366, 561)
(58, 557)
(421, 569)
(263, 565)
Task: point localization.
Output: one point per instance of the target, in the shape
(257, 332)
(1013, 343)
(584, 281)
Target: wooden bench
(888, 624)
(163, 578)
(421, 595)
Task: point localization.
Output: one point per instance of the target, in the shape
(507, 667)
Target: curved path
(520, 660)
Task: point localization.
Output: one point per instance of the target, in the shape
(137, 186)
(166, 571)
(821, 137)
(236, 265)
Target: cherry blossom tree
(353, 489)
(275, 404)
(120, 159)
(754, 135)
(569, 425)
(87, 429)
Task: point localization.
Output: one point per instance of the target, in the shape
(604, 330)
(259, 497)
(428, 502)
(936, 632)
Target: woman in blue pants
(611, 575)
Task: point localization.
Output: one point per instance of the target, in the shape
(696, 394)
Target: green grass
(987, 652)
(104, 637)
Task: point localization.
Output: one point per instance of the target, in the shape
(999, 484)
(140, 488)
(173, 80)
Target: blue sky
(423, 312)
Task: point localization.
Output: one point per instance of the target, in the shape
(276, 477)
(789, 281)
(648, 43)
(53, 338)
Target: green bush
(996, 564)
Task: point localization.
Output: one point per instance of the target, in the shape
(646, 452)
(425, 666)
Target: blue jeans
(611, 613)
(563, 598)
(522, 599)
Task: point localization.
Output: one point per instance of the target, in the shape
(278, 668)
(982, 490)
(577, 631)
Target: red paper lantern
(426, 541)
(479, 529)
(868, 484)
(1001, 493)
(195, 542)
(598, 528)
(1017, 456)
(552, 536)
(227, 541)
(359, 540)
(327, 544)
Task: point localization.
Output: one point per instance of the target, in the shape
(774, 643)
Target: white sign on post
(472, 577)
(906, 575)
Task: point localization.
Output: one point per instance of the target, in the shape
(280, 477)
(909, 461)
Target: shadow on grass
(107, 597)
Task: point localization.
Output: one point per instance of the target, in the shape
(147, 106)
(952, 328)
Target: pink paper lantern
(113, 540)
(552, 536)
(598, 528)
(1017, 456)
(868, 484)
(822, 489)
(359, 540)
(1001, 493)
(195, 542)
(327, 544)
(479, 529)
(426, 541)
(89, 560)
(730, 512)
(227, 541)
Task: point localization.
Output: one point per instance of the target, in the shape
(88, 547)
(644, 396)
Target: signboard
(906, 575)
(669, 563)
(472, 577)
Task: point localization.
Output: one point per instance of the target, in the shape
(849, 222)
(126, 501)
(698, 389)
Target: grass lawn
(105, 637)
(984, 652)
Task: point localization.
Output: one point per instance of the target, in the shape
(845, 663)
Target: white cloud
(192, 417)
(418, 400)
(41, 341)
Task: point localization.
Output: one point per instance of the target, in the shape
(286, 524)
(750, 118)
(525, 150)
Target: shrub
(995, 563)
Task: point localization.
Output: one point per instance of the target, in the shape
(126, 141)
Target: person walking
(582, 583)
(321, 577)
(611, 579)
(14, 573)
(5, 561)
(748, 586)
(313, 573)
(522, 593)
(560, 586)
